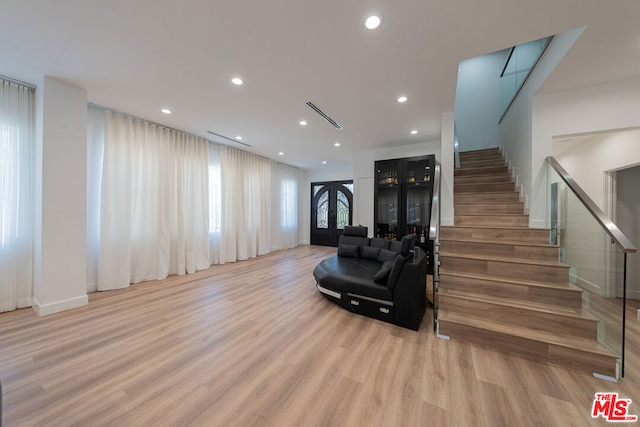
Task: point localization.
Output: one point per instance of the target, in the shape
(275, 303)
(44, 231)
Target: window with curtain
(289, 179)
(171, 203)
(17, 194)
(154, 205)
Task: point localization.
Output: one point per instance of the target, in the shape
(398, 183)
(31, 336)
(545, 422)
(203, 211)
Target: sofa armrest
(410, 292)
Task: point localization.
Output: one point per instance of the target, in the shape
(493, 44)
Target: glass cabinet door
(388, 191)
(418, 197)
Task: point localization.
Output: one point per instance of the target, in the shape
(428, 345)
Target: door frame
(332, 234)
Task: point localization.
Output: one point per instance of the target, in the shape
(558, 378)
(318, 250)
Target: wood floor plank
(254, 343)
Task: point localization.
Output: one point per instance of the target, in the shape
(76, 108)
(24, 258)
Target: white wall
(478, 101)
(516, 129)
(628, 220)
(591, 161)
(60, 263)
(606, 107)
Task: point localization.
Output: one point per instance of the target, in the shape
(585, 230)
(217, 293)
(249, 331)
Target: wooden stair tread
(564, 286)
(518, 303)
(562, 340)
(500, 242)
(495, 258)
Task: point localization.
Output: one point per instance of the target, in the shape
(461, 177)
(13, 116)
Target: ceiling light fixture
(372, 22)
(237, 81)
(402, 99)
(337, 144)
(413, 132)
(166, 111)
(280, 153)
(239, 138)
(324, 162)
(303, 122)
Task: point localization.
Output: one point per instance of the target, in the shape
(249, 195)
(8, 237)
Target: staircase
(501, 284)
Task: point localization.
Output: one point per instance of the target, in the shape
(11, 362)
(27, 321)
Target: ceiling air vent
(324, 116)
(227, 138)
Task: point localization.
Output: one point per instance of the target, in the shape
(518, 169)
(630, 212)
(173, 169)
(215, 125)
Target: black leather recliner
(375, 277)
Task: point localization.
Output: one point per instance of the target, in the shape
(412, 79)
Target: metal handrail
(435, 204)
(608, 226)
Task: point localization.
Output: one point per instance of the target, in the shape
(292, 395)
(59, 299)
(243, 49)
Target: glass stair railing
(596, 251)
(434, 239)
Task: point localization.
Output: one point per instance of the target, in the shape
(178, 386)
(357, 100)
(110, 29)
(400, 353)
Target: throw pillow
(383, 273)
(395, 271)
(349, 251)
(370, 253)
(386, 255)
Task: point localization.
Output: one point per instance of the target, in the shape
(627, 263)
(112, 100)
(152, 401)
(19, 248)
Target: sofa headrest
(355, 230)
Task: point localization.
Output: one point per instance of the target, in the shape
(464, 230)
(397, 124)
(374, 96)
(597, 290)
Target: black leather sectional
(380, 278)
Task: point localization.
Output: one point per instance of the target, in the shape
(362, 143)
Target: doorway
(331, 211)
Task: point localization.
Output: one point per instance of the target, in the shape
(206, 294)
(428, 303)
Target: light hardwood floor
(254, 343)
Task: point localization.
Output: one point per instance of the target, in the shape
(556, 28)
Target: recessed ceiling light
(372, 22)
(239, 138)
(280, 153)
(303, 122)
(324, 162)
(166, 111)
(413, 132)
(237, 81)
(402, 99)
(337, 144)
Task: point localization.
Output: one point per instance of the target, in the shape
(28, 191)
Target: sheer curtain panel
(245, 216)
(17, 194)
(154, 204)
(290, 179)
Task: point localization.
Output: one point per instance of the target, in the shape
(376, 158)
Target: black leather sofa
(379, 278)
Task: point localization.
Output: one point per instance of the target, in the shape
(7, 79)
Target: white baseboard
(92, 287)
(58, 306)
(446, 222)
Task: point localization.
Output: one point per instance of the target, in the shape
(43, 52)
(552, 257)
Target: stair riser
(481, 171)
(495, 155)
(483, 187)
(521, 317)
(506, 197)
(480, 153)
(508, 270)
(492, 221)
(563, 297)
(481, 163)
(489, 208)
(530, 235)
(470, 179)
(530, 349)
(540, 253)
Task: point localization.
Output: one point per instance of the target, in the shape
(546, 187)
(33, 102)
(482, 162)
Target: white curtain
(154, 203)
(245, 205)
(17, 194)
(289, 179)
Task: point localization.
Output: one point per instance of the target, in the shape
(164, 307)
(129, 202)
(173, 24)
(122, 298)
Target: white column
(61, 248)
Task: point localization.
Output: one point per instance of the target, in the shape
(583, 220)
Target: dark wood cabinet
(402, 198)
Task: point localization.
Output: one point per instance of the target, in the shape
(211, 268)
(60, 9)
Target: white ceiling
(138, 56)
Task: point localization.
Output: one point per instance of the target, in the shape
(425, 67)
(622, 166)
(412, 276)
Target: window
(288, 204)
(9, 182)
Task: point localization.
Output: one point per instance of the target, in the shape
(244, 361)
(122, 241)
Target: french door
(331, 211)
